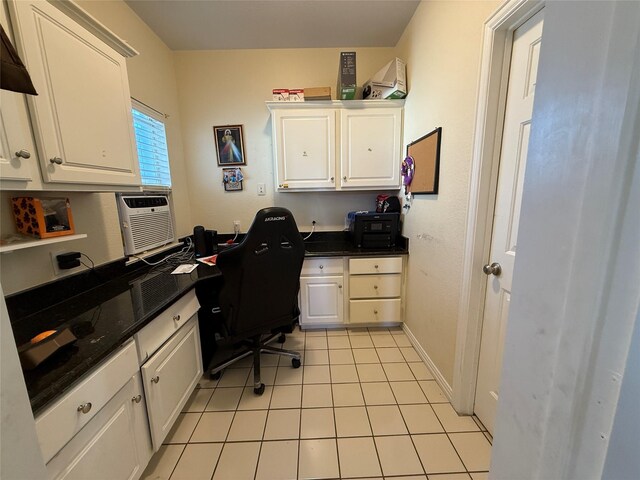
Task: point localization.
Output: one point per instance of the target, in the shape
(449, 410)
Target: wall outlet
(262, 190)
(56, 268)
(236, 226)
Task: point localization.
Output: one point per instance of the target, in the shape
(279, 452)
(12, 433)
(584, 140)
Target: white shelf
(29, 242)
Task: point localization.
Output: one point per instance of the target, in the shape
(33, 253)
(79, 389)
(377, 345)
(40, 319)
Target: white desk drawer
(374, 311)
(322, 266)
(60, 422)
(367, 266)
(158, 331)
(375, 286)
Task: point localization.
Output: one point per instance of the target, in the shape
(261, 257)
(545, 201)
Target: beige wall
(442, 47)
(152, 80)
(228, 87)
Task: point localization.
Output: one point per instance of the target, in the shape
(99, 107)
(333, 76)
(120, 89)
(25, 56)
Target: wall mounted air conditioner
(146, 222)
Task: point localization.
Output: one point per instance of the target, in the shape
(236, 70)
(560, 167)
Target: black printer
(374, 230)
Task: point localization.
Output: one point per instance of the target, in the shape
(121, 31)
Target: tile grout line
(366, 410)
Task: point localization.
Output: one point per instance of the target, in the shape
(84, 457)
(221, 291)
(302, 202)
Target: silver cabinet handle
(176, 318)
(137, 399)
(339, 286)
(23, 154)
(155, 379)
(56, 160)
(84, 407)
(493, 269)
(344, 179)
(375, 266)
(375, 312)
(332, 179)
(321, 267)
(375, 287)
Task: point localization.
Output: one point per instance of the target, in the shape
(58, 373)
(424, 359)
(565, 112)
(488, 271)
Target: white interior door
(513, 157)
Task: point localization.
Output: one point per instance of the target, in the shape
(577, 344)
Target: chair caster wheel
(295, 362)
(215, 376)
(282, 338)
(259, 390)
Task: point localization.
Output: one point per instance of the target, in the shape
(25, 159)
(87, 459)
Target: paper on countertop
(211, 261)
(186, 268)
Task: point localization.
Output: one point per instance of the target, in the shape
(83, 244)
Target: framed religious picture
(229, 145)
(232, 179)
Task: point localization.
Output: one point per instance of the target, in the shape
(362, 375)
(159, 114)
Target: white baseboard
(440, 380)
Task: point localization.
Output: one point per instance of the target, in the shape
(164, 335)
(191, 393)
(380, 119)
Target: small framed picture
(232, 179)
(229, 145)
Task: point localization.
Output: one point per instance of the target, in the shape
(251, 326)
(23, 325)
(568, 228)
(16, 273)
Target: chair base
(256, 346)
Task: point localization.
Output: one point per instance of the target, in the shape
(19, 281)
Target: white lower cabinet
(340, 291)
(170, 376)
(109, 424)
(321, 292)
(375, 286)
(115, 444)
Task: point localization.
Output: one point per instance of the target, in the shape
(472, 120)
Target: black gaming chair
(259, 295)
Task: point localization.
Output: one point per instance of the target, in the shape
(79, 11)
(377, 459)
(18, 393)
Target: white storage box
(390, 82)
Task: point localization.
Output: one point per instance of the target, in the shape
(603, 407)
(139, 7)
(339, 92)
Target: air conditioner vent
(146, 222)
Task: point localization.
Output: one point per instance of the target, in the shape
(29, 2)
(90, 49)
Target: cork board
(426, 156)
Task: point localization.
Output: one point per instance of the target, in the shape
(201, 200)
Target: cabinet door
(370, 148)
(304, 148)
(16, 141)
(82, 114)
(169, 378)
(322, 300)
(113, 445)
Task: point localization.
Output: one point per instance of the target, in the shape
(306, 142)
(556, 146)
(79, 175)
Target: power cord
(313, 227)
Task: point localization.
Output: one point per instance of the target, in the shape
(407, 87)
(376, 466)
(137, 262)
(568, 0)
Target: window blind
(151, 140)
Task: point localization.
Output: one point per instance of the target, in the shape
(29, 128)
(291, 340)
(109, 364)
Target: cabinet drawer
(59, 423)
(152, 336)
(366, 266)
(322, 266)
(375, 286)
(374, 311)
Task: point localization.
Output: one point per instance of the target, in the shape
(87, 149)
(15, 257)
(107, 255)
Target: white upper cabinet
(370, 148)
(305, 148)
(82, 115)
(18, 158)
(17, 151)
(353, 145)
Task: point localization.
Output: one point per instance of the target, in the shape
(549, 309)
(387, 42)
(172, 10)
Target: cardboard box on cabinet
(390, 82)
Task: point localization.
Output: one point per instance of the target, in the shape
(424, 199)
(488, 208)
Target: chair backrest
(262, 275)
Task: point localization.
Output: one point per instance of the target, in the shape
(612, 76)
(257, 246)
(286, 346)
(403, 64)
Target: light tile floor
(363, 405)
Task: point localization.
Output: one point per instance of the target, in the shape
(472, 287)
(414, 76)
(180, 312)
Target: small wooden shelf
(29, 242)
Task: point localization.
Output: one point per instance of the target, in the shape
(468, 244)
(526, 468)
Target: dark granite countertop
(102, 318)
(106, 307)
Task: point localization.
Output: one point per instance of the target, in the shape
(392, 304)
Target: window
(151, 140)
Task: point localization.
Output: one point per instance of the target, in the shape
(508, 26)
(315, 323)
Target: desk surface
(108, 313)
(102, 319)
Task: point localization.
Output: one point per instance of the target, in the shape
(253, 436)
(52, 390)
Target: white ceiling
(232, 24)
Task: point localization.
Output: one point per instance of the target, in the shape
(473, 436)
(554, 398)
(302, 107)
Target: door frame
(490, 109)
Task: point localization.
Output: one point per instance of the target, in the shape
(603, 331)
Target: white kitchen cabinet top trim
(88, 21)
(336, 104)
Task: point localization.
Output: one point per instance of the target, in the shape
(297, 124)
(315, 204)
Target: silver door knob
(493, 269)
(84, 407)
(155, 379)
(56, 160)
(344, 178)
(23, 154)
(137, 399)
(176, 318)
